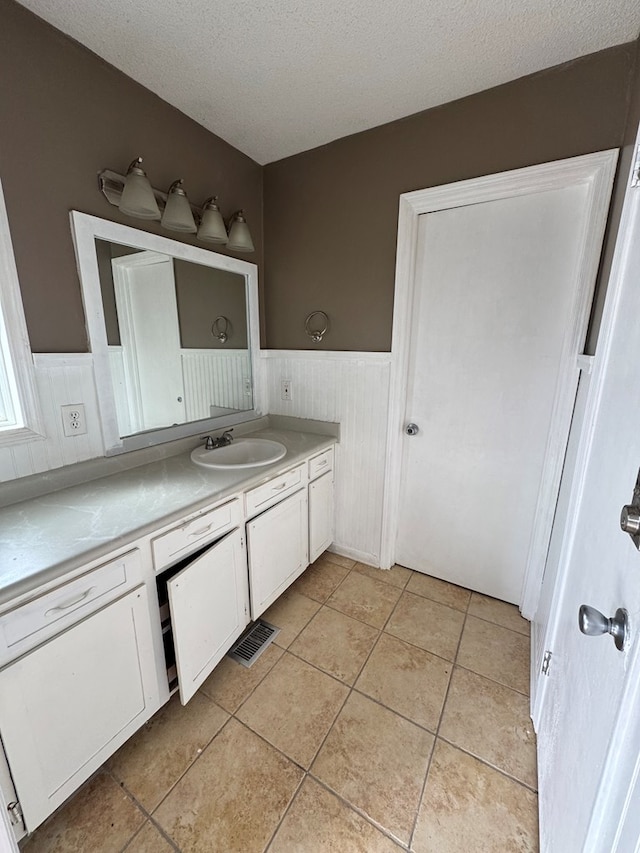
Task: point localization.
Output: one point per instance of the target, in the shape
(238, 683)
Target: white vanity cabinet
(208, 602)
(278, 549)
(321, 510)
(87, 659)
(69, 702)
(203, 592)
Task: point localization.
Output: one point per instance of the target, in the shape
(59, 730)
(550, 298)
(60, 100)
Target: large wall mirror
(173, 330)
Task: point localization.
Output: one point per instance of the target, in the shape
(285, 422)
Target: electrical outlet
(286, 390)
(73, 419)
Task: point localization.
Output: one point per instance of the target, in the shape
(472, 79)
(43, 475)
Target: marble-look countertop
(45, 537)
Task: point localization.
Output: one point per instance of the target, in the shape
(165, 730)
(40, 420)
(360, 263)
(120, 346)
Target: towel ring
(221, 329)
(316, 334)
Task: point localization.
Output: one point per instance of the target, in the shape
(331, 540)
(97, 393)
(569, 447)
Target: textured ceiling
(275, 77)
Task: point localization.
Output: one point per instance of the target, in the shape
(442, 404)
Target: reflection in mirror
(167, 364)
(154, 308)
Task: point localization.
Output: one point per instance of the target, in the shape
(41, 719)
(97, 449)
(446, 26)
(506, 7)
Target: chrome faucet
(219, 441)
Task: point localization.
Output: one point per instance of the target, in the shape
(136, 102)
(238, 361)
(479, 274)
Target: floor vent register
(253, 643)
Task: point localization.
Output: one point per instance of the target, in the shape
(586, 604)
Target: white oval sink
(241, 453)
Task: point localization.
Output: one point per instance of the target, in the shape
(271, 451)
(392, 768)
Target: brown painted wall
(204, 294)
(64, 116)
(624, 164)
(331, 213)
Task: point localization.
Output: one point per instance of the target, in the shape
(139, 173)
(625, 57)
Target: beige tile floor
(391, 714)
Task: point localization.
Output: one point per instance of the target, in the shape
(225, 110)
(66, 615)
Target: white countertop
(45, 537)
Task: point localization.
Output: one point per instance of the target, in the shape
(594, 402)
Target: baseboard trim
(358, 556)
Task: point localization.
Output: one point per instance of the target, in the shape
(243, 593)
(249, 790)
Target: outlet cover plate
(73, 419)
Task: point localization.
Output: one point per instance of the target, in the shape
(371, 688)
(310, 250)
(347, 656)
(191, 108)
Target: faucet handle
(209, 445)
(227, 434)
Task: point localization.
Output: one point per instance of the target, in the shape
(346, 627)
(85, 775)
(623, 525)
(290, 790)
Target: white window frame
(17, 373)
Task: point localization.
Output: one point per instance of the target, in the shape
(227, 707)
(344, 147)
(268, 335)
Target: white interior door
(495, 291)
(589, 726)
(148, 320)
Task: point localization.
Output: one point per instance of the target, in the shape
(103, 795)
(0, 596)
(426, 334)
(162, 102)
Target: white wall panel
(215, 377)
(349, 388)
(116, 366)
(61, 380)
(352, 389)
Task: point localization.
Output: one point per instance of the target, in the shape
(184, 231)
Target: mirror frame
(85, 230)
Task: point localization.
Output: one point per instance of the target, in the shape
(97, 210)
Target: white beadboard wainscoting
(210, 378)
(352, 389)
(349, 388)
(62, 379)
(215, 377)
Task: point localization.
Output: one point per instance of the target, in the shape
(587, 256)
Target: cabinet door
(208, 603)
(70, 703)
(320, 515)
(278, 550)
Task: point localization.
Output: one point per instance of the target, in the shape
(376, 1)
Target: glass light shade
(177, 215)
(137, 197)
(212, 224)
(239, 234)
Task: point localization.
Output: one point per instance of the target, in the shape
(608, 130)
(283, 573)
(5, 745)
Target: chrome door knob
(412, 429)
(593, 623)
(630, 519)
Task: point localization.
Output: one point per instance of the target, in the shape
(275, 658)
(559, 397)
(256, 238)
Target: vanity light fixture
(239, 234)
(134, 195)
(177, 215)
(137, 198)
(212, 224)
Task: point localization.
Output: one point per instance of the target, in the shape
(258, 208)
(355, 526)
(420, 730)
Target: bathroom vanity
(119, 591)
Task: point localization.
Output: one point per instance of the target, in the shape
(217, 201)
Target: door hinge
(635, 177)
(546, 662)
(15, 813)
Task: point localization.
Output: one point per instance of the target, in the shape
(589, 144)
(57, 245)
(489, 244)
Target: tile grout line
(351, 689)
(285, 650)
(307, 772)
(172, 787)
(493, 680)
(500, 625)
(146, 814)
(435, 739)
(487, 763)
(289, 805)
(359, 811)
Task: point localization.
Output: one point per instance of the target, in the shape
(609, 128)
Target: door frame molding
(615, 816)
(597, 172)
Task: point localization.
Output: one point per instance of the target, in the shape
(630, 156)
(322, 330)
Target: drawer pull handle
(279, 488)
(324, 462)
(71, 603)
(202, 530)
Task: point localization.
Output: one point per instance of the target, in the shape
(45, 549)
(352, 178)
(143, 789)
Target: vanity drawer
(70, 602)
(280, 487)
(321, 463)
(188, 537)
